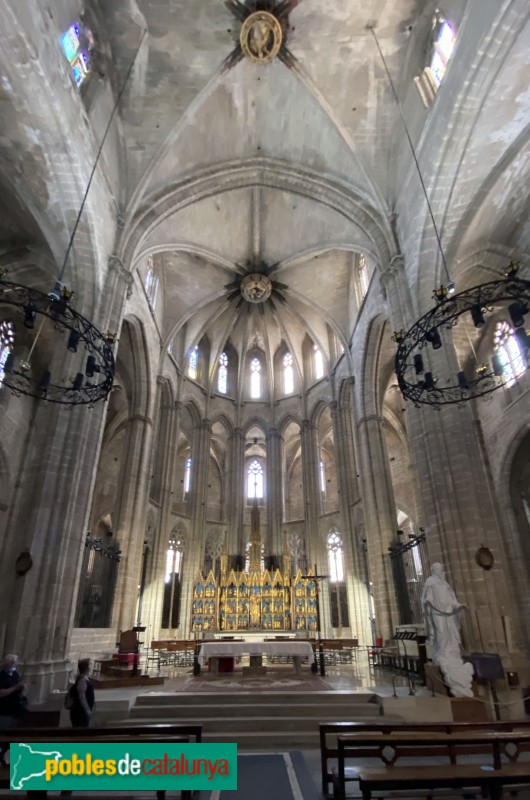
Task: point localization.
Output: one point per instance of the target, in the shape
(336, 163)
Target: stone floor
(358, 677)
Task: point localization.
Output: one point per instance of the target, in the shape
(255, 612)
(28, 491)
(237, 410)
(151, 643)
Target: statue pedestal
(468, 709)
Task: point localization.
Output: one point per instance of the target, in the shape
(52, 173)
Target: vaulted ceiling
(323, 108)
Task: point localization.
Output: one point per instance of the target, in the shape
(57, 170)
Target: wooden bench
(159, 733)
(495, 761)
(330, 731)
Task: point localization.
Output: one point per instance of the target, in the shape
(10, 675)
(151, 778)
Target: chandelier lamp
(420, 384)
(85, 378)
(57, 355)
(416, 380)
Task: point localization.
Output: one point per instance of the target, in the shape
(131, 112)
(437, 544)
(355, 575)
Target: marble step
(206, 698)
(274, 711)
(255, 722)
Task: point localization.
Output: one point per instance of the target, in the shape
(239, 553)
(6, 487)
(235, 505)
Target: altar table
(256, 650)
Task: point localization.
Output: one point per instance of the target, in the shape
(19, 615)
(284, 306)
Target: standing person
(12, 702)
(83, 696)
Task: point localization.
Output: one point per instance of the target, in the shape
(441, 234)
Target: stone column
(459, 510)
(273, 542)
(200, 459)
(342, 418)
(236, 492)
(47, 519)
(154, 595)
(131, 516)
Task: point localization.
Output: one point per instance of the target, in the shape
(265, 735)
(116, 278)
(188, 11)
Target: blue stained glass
(70, 42)
(78, 74)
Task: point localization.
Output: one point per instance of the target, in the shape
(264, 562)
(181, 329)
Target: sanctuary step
(267, 718)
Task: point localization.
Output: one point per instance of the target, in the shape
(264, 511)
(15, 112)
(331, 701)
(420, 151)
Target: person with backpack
(80, 699)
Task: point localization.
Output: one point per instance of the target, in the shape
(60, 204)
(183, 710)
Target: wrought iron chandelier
(82, 382)
(421, 385)
(59, 331)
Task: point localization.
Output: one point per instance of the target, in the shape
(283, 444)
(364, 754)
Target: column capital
(395, 267)
(116, 265)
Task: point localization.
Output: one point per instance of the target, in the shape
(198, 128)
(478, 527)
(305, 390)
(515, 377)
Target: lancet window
(187, 477)
(318, 362)
(77, 44)
(255, 378)
(7, 340)
(222, 378)
(193, 363)
(442, 52)
(337, 586)
(255, 480)
(172, 582)
(151, 283)
(288, 374)
(508, 353)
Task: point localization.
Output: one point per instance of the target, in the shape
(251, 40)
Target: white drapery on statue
(442, 620)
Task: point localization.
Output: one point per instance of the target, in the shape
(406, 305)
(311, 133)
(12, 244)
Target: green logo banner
(122, 766)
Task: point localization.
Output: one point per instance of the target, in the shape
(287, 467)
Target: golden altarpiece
(257, 599)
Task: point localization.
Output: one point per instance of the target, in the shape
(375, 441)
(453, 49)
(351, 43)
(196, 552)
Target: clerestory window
(78, 45)
(222, 378)
(7, 341)
(255, 378)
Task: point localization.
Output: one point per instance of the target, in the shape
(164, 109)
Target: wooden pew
(171, 733)
(330, 731)
(495, 763)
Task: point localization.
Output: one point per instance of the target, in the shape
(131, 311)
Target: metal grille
(96, 592)
(410, 567)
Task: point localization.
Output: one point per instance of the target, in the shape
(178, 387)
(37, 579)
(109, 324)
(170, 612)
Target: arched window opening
(172, 582)
(443, 50)
(318, 362)
(78, 45)
(255, 378)
(255, 480)
(288, 374)
(338, 599)
(187, 477)
(193, 363)
(222, 378)
(7, 341)
(509, 358)
(364, 278)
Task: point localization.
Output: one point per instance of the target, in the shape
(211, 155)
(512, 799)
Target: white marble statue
(442, 621)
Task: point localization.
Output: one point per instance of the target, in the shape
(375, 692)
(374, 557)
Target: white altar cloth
(217, 649)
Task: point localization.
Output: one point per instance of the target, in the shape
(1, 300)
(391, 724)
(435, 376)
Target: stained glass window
(193, 363)
(7, 340)
(443, 50)
(288, 374)
(255, 378)
(319, 362)
(255, 480)
(76, 44)
(222, 378)
(508, 353)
